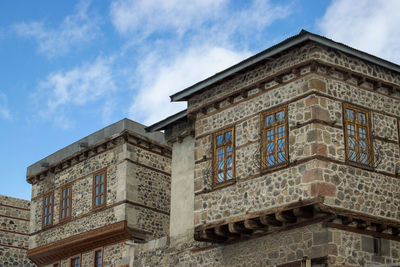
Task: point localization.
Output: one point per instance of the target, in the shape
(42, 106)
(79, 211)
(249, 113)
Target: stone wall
(315, 101)
(14, 232)
(314, 241)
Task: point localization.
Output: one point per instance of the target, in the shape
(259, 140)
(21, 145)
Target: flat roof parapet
(98, 137)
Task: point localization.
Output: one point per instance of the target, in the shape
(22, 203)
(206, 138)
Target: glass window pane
(67, 201)
(281, 144)
(102, 177)
(361, 118)
(350, 129)
(68, 191)
(220, 177)
(362, 132)
(229, 174)
(62, 213)
(101, 188)
(363, 158)
(280, 116)
(97, 179)
(101, 199)
(219, 139)
(352, 142)
(220, 165)
(66, 212)
(269, 120)
(50, 209)
(270, 135)
(350, 114)
(96, 201)
(281, 131)
(220, 153)
(63, 193)
(281, 157)
(45, 201)
(271, 160)
(49, 219)
(63, 203)
(229, 162)
(49, 199)
(97, 190)
(270, 147)
(45, 220)
(228, 150)
(363, 146)
(352, 155)
(228, 136)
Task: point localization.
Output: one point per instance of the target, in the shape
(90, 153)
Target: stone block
(319, 149)
(323, 189)
(317, 85)
(319, 113)
(313, 175)
(320, 238)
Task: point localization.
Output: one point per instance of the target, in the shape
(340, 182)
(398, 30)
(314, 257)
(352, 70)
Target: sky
(70, 68)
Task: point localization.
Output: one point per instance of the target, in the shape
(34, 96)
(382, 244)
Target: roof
(165, 123)
(93, 139)
(303, 36)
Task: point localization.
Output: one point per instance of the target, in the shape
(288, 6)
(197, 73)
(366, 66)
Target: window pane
(102, 177)
(350, 114)
(66, 212)
(62, 213)
(220, 177)
(352, 142)
(281, 144)
(67, 201)
(270, 147)
(362, 132)
(63, 203)
(269, 120)
(45, 220)
(361, 118)
(45, 201)
(363, 146)
(49, 199)
(228, 150)
(97, 179)
(97, 190)
(363, 158)
(280, 116)
(220, 165)
(229, 174)
(270, 135)
(101, 199)
(63, 193)
(281, 157)
(271, 160)
(101, 188)
(68, 191)
(228, 136)
(281, 131)
(219, 139)
(350, 129)
(352, 155)
(229, 162)
(220, 153)
(96, 201)
(50, 209)
(49, 219)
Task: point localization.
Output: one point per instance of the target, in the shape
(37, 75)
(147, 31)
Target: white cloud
(147, 16)
(75, 88)
(74, 30)
(208, 18)
(4, 110)
(371, 26)
(163, 77)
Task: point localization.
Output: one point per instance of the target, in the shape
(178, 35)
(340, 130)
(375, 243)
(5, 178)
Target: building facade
(90, 199)
(289, 158)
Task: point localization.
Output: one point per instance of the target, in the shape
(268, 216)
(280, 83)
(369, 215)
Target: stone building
(14, 232)
(93, 195)
(289, 158)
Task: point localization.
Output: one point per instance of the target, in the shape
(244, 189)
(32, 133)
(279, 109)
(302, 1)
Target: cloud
(4, 111)
(62, 92)
(163, 77)
(74, 30)
(210, 18)
(371, 26)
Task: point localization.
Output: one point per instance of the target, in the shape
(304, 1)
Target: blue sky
(69, 68)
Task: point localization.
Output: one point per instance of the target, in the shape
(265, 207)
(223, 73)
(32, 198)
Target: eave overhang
(303, 36)
(166, 123)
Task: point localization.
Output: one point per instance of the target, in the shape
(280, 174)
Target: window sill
(274, 168)
(360, 165)
(224, 184)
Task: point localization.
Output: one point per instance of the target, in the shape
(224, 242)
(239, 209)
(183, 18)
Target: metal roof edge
(161, 125)
(286, 44)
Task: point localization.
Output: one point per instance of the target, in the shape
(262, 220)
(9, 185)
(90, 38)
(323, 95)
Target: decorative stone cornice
(91, 151)
(294, 72)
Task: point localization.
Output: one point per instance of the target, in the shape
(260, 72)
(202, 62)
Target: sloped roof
(303, 36)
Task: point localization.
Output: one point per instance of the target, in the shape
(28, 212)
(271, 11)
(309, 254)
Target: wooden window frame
(57, 264)
(98, 173)
(369, 151)
(102, 256)
(70, 202)
(264, 129)
(79, 256)
(215, 155)
(46, 211)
